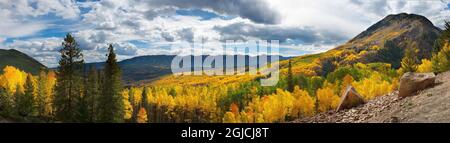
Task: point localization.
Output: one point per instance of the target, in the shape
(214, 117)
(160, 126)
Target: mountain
(385, 41)
(20, 60)
(148, 68)
(402, 30)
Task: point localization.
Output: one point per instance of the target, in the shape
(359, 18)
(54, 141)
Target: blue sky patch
(205, 15)
(139, 43)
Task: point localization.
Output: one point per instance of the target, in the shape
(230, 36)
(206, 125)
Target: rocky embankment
(428, 105)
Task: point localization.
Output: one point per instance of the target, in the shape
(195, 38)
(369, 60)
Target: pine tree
(111, 98)
(390, 53)
(444, 38)
(144, 103)
(41, 94)
(6, 103)
(290, 78)
(409, 61)
(92, 94)
(25, 101)
(441, 60)
(69, 80)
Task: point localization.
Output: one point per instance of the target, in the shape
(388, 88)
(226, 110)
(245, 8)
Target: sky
(150, 27)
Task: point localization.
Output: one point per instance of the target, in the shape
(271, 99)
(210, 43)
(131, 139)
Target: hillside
(428, 106)
(384, 41)
(20, 60)
(145, 69)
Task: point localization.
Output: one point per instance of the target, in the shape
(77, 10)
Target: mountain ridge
(12, 57)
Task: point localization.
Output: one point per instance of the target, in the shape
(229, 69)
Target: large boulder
(350, 99)
(410, 83)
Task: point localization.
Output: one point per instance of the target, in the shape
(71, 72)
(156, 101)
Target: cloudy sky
(149, 27)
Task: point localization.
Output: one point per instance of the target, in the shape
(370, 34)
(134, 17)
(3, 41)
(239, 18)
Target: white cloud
(20, 17)
(350, 17)
(45, 50)
(155, 23)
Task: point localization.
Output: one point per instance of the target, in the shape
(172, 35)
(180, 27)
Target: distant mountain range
(148, 68)
(20, 60)
(137, 69)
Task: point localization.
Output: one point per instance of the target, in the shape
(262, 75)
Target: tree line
(72, 93)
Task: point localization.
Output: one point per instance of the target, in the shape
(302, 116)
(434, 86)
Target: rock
(410, 83)
(350, 99)
(394, 120)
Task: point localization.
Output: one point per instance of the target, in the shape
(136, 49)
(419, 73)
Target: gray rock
(410, 83)
(350, 99)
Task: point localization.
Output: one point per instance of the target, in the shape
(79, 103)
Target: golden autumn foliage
(234, 108)
(304, 104)
(441, 60)
(142, 116)
(46, 85)
(425, 67)
(128, 108)
(229, 117)
(373, 86)
(327, 99)
(347, 80)
(12, 78)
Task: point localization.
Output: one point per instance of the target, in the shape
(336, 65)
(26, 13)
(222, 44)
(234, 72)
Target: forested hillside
(372, 63)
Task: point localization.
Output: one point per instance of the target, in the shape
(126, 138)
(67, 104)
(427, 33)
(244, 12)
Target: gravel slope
(429, 105)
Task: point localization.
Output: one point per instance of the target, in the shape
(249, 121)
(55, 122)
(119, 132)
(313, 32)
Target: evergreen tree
(290, 78)
(41, 94)
(25, 101)
(390, 53)
(111, 99)
(409, 61)
(144, 103)
(69, 80)
(441, 60)
(444, 38)
(145, 99)
(92, 93)
(6, 103)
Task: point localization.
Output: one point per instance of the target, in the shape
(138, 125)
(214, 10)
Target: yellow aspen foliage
(351, 57)
(137, 95)
(128, 108)
(229, 117)
(425, 67)
(327, 99)
(49, 93)
(441, 60)
(347, 80)
(373, 86)
(277, 106)
(362, 53)
(142, 116)
(12, 78)
(304, 104)
(375, 47)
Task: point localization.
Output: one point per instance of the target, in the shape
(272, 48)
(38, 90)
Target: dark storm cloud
(256, 10)
(304, 35)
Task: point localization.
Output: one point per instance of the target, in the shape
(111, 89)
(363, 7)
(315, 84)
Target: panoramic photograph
(224, 61)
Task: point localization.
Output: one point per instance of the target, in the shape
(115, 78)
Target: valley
(141, 89)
